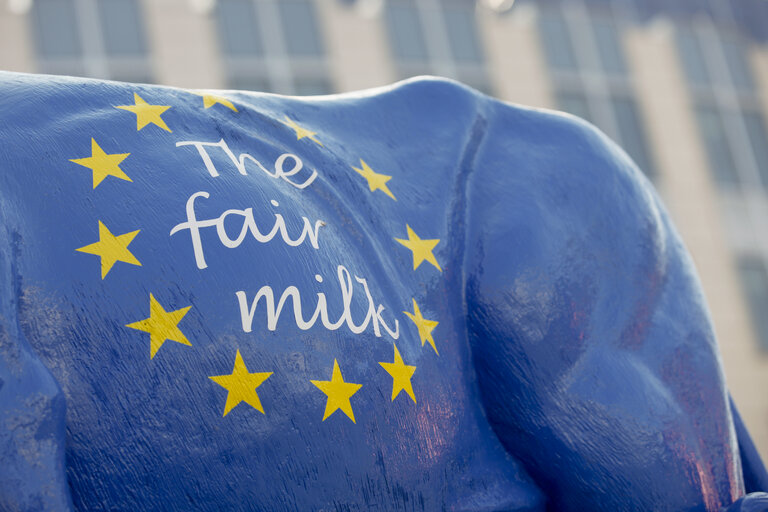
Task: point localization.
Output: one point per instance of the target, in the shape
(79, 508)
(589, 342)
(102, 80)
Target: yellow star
(146, 113)
(401, 376)
(210, 100)
(422, 249)
(241, 385)
(111, 249)
(161, 325)
(424, 326)
(376, 181)
(338, 392)
(301, 132)
(102, 164)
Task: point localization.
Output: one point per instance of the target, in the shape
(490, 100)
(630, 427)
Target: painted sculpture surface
(414, 298)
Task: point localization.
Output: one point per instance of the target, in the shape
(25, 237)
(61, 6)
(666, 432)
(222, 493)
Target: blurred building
(682, 85)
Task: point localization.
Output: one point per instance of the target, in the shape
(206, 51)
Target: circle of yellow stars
(163, 325)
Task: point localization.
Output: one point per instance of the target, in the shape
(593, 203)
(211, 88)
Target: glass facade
(463, 38)
(405, 35)
(238, 28)
(584, 51)
(272, 46)
(122, 28)
(438, 37)
(726, 103)
(758, 139)
(96, 38)
(715, 139)
(732, 130)
(609, 46)
(556, 41)
(300, 28)
(56, 29)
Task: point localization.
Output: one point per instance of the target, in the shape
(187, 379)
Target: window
(56, 28)
(714, 136)
(692, 57)
(758, 139)
(711, 58)
(738, 65)
(300, 29)
(238, 30)
(462, 31)
(96, 38)
(436, 37)
(754, 280)
(731, 126)
(405, 33)
(122, 28)
(609, 46)
(273, 45)
(557, 44)
(631, 134)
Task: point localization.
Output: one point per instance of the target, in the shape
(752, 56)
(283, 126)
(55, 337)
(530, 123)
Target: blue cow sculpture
(410, 298)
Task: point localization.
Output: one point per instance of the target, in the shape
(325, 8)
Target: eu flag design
(218, 300)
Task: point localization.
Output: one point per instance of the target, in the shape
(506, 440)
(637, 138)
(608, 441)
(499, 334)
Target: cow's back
(251, 301)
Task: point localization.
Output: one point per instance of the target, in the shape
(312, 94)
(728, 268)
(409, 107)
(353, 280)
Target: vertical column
(516, 63)
(183, 45)
(759, 61)
(276, 56)
(16, 50)
(357, 46)
(692, 199)
(91, 39)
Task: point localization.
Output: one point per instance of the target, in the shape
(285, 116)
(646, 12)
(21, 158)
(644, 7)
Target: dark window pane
(632, 133)
(122, 27)
(738, 64)
(557, 44)
(135, 76)
(300, 28)
(609, 47)
(754, 280)
(692, 58)
(758, 138)
(574, 103)
(714, 137)
(312, 86)
(249, 83)
(55, 28)
(461, 26)
(405, 33)
(237, 28)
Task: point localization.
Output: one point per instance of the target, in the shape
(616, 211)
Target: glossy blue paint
(577, 366)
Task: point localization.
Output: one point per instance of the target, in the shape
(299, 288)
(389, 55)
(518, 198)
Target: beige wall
(357, 47)
(759, 60)
(185, 51)
(515, 63)
(15, 41)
